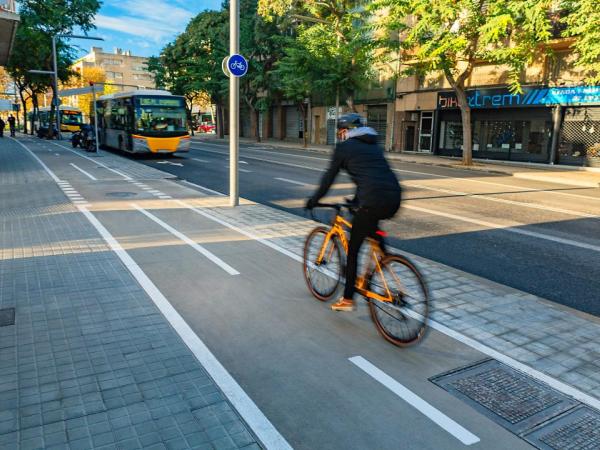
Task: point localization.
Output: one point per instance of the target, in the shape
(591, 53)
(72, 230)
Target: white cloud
(156, 21)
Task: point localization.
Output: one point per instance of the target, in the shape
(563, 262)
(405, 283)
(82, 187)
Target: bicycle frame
(338, 228)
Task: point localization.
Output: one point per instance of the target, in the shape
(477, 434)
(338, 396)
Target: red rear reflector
(381, 233)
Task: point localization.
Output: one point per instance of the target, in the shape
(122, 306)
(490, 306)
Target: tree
(39, 21)
(333, 34)
(452, 36)
(88, 76)
(582, 19)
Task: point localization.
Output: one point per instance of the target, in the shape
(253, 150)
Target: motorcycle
(84, 138)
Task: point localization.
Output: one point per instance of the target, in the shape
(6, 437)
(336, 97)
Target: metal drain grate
(512, 399)
(576, 430)
(7, 317)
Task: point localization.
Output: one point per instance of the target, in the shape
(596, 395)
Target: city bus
(143, 121)
(71, 119)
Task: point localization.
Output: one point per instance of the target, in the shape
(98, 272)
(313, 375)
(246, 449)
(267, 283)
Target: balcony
(9, 20)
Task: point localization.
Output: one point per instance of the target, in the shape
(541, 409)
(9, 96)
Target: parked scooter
(84, 138)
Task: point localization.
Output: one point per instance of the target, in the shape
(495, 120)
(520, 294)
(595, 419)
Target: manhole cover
(576, 430)
(7, 317)
(121, 194)
(512, 399)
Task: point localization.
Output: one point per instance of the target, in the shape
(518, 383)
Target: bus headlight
(140, 144)
(184, 144)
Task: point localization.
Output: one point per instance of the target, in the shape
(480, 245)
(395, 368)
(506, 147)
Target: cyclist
(377, 191)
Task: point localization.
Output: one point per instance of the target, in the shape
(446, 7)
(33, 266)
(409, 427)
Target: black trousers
(365, 224)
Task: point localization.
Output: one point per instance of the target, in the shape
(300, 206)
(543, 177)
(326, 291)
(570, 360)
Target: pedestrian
(2, 124)
(11, 125)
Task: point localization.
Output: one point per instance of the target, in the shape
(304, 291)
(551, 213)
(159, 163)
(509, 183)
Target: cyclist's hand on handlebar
(310, 204)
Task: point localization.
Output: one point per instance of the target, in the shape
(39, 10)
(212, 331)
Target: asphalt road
(538, 237)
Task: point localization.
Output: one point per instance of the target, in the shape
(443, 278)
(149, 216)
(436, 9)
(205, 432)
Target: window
(112, 62)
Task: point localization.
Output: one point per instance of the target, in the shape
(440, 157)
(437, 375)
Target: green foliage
(332, 51)
(583, 24)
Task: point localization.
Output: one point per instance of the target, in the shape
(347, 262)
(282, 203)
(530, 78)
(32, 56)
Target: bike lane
(288, 352)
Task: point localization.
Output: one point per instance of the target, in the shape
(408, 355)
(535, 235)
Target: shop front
(519, 127)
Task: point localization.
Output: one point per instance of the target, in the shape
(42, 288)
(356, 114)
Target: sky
(144, 27)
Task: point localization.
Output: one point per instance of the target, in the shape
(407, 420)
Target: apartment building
(556, 119)
(124, 70)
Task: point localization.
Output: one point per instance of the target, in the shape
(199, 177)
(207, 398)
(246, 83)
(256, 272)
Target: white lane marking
(439, 418)
(556, 384)
(48, 171)
(200, 160)
(502, 200)
(126, 177)
(254, 417)
(510, 229)
(164, 196)
(202, 187)
(148, 188)
(292, 181)
(211, 256)
(170, 163)
(256, 420)
(89, 175)
(241, 170)
(270, 161)
(241, 231)
(527, 189)
(154, 191)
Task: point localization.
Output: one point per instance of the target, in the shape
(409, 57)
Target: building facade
(556, 119)
(124, 70)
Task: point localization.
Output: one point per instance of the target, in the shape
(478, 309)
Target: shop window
(451, 137)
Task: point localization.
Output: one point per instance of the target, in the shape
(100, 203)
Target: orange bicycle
(393, 287)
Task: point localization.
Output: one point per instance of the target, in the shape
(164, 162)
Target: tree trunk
(302, 108)
(35, 112)
(52, 119)
(465, 113)
(350, 103)
(24, 103)
(257, 124)
(220, 121)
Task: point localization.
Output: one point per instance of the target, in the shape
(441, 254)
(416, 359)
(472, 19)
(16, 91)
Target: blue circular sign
(237, 65)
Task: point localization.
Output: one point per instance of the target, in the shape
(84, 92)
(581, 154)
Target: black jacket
(362, 158)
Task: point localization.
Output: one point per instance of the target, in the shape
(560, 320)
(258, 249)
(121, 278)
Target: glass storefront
(520, 135)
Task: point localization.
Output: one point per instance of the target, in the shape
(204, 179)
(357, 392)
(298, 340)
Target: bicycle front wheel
(323, 264)
(403, 321)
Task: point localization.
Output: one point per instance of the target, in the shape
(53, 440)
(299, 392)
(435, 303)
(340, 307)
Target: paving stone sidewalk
(89, 362)
(553, 339)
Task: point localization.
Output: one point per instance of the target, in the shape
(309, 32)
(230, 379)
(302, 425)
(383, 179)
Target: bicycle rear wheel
(322, 278)
(404, 320)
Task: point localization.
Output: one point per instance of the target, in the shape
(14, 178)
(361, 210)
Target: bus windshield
(153, 114)
(71, 117)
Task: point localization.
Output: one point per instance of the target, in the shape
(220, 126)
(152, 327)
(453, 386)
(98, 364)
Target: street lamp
(54, 59)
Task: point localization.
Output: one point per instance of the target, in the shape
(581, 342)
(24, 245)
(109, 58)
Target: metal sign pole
(234, 85)
(95, 116)
(56, 104)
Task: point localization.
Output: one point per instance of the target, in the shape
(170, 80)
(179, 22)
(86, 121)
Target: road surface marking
(292, 181)
(488, 197)
(48, 171)
(241, 231)
(127, 177)
(261, 426)
(215, 259)
(508, 228)
(164, 196)
(435, 415)
(202, 187)
(568, 194)
(200, 160)
(556, 384)
(170, 163)
(270, 161)
(241, 170)
(84, 172)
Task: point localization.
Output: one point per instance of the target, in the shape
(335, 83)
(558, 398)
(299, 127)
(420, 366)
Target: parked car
(207, 127)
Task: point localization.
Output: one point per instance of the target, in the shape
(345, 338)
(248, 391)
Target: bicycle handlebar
(337, 206)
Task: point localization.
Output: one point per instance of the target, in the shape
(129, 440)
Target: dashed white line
(292, 182)
(164, 197)
(439, 418)
(211, 256)
(200, 160)
(89, 175)
(509, 229)
(210, 191)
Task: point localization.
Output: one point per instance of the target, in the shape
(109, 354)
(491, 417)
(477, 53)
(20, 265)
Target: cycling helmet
(350, 120)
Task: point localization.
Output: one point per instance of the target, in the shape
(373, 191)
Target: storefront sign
(531, 97)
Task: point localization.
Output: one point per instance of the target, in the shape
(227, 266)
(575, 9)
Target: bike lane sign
(237, 65)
